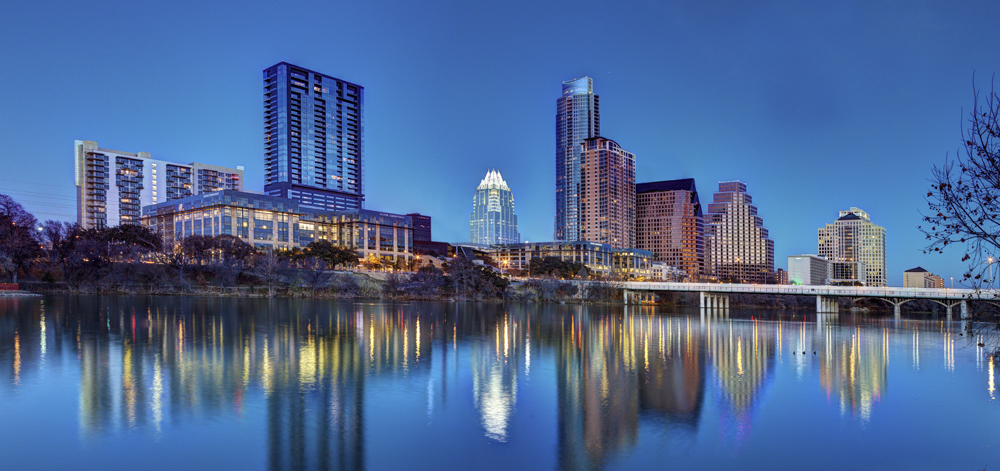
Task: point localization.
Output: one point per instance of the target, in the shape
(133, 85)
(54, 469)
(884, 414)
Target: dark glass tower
(577, 119)
(313, 138)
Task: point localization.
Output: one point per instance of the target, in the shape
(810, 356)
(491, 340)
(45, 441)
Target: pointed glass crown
(493, 180)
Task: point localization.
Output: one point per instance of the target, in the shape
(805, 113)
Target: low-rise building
(665, 272)
(849, 274)
(274, 222)
(601, 259)
(921, 278)
(807, 269)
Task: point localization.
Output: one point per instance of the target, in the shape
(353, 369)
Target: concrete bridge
(716, 295)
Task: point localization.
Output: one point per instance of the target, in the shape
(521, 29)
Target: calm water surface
(201, 383)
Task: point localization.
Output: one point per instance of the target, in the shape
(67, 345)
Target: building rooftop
(916, 270)
(686, 184)
(849, 217)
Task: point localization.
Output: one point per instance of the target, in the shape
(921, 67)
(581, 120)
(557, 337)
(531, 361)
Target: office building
(937, 281)
(492, 220)
(737, 247)
(847, 273)
(665, 272)
(921, 278)
(600, 259)
(669, 223)
(421, 227)
(267, 222)
(113, 186)
(808, 269)
(313, 138)
(423, 243)
(607, 199)
(577, 119)
(854, 239)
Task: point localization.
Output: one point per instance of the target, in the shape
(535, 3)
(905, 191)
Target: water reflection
(154, 363)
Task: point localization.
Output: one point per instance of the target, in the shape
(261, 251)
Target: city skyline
(765, 94)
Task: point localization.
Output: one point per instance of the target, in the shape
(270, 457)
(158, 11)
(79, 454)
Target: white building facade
(112, 186)
(807, 269)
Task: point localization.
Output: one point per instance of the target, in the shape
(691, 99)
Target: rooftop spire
(493, 179)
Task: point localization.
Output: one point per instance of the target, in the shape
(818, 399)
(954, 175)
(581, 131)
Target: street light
(992, 271)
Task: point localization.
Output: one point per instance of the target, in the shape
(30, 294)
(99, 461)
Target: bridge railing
(817, 290)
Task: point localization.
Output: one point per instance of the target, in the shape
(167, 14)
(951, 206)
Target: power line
(31, 183)
(48, 203)
(35, 194)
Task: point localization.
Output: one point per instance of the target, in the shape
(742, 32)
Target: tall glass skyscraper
(313, 138)
(577, 119)
(493, 220)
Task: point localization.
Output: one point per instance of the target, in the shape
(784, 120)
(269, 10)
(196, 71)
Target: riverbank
(397, 287)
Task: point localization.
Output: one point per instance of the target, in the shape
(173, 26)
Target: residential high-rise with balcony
(854, 241)
(112, 186)
(737, 247)
(313, 138)
(577, 119)
(669, 223)
(493, 220)
(607, 194)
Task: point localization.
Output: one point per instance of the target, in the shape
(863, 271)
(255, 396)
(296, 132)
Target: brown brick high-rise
(669, 223)
(607, 199)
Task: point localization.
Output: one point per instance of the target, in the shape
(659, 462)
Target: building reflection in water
(494, 360)
(614, 371)
(157, 362)
(742, 355)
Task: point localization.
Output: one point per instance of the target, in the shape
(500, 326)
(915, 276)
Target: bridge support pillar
(826, 304)
(713, 300)
(895, 310)
(965, 310)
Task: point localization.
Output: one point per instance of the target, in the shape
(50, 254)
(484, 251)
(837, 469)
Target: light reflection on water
(351, 386)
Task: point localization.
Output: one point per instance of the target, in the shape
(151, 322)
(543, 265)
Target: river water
(108, 382)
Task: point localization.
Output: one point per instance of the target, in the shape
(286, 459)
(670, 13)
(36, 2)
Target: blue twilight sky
(818, 106)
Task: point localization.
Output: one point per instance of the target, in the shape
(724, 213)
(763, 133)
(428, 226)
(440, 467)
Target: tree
(476, 281)
(18, 237)
(60, 239)
(270, 270)
(333, 255)
(964, 203)
(553, 266)
(314, 274)
(428, 281)
(372, 262)
(198, 247)
(232, 250)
